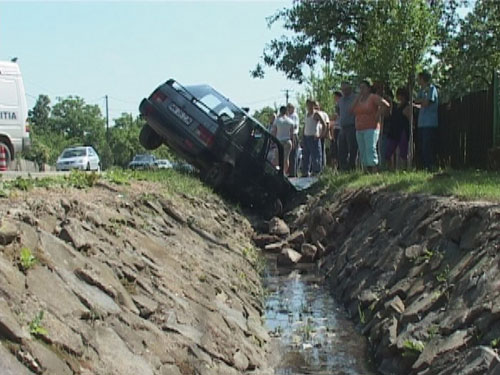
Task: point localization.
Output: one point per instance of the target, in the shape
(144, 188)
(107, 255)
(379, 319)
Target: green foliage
(413, 348)
(26, 259)
(444, 275)
(361, 314)
(263, 115)
(495, 343)
(36, 328)
(466, 184)
(81, 180)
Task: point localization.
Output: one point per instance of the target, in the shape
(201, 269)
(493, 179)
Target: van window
(8, 92)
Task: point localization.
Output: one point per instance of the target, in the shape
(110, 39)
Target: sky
(126, 49)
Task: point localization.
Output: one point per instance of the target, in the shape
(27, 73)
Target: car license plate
(180, 114)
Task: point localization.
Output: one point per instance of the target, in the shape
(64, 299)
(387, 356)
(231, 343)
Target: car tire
(149, 139)
(88, 166)
(216, 175)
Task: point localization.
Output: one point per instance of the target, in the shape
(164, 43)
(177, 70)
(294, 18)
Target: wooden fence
(466, 130)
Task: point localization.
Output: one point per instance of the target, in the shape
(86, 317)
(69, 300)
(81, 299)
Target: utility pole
(107, 118)
(287, 92)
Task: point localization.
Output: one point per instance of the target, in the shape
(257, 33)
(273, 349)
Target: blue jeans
(427, 145)
(367, 144)
(311, 155)
(348, 148)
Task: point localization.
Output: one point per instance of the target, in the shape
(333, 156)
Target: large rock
(274, 248)
(262, 240)
(8, 232)
(278, 227)
(288, 257)
(9, 327)
(9, 365)
(309, 253)
(296, 239)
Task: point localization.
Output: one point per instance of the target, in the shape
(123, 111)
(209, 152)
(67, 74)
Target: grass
(36, 328)
(464, 184)
(26, 259)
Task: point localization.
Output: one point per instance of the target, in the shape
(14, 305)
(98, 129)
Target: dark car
(232, 150)
(143, 162)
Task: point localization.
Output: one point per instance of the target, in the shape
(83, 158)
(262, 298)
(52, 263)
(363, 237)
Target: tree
(469, 56)
(38, 117)
(263, 115)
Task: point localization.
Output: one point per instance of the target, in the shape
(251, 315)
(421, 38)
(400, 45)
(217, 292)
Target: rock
(288, 257)
(8, 232)
(296, 239)
(476, 360)
(240, 361)
(274, 248)
(9, 327)
(146, 305)
(118, 358)
(414, 251)
(318, 234)
(396, 305)
(309, 253)
(48, 359)
(439, 346)
(9, 365)
(73, 233)
(261, 240)
(278, 227)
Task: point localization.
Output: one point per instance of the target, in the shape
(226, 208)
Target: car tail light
(205, 135)
(158, 96)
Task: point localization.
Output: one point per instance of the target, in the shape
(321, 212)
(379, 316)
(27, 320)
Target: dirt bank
(419, 274)
(117, 280)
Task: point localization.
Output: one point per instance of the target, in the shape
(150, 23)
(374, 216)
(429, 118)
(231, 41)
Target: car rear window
(74, 153)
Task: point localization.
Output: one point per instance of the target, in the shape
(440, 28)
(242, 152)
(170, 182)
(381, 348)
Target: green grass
(466, 184)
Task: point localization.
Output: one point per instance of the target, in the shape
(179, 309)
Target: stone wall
(419, 274)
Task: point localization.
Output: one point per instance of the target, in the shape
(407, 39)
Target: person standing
(399, 130)
(427, 101)
(334, 130)
(311, 141)
(283, 126)
(347, 145)
(368, 109)
(323, 133)
(294, 153)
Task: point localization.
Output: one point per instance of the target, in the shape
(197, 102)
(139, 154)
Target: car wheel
(88, 166)
(216, 175)
(150, 139)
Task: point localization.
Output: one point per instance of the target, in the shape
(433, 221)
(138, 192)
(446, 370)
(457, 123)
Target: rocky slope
(421, 276)
(117, 280)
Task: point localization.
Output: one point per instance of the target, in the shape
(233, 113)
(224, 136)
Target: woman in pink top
(368, 109)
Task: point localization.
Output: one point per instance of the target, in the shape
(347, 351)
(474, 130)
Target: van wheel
(149, 139)
(216, 175)
(8, 156)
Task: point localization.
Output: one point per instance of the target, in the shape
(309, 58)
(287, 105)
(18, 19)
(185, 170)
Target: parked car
(164, 164)
(143, 161)
(81, 157)
(227, 145)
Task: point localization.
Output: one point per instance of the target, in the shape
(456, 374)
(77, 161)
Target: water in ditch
(310, 331)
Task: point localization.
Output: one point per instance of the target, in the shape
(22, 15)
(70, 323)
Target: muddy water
(311, 332)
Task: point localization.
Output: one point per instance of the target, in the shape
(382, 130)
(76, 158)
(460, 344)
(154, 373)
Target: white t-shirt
(283, 125)
(295, 119)
(312, 127)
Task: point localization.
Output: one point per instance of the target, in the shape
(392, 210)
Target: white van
(14, 129)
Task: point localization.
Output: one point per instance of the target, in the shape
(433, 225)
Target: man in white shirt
(283, 130)
(311, 153)
(294, 153)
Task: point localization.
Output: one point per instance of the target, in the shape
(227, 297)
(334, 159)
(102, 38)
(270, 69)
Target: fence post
(496, 109)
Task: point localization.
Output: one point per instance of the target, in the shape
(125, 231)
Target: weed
(413, 348)
(444, 275)
(36, 328)
(361, 313)
(81, 179)
(26, 259)
(495, 343)
(425, 257)
(432, 331)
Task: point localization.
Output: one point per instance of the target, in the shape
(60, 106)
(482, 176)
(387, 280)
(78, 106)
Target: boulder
(288, 257)
(261, 240)
(8, 232)
(274, 248)
(395, 305)
(278, 227)
(296, 239)
(318, 233)
(309, 253)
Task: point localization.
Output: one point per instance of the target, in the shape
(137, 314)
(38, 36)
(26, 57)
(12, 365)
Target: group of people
(365, 127)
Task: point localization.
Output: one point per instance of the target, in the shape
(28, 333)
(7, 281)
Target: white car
(164, 164)
(83, 157)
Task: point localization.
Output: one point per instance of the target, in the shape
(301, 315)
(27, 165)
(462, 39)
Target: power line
(287, 92)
